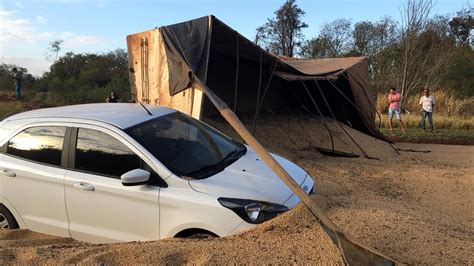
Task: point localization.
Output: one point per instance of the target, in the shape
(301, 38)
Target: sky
(98, 26)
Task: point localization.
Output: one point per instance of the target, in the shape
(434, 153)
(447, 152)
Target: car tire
(201, 235)
(7, 221)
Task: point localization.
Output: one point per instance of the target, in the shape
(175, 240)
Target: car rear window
(39, 144)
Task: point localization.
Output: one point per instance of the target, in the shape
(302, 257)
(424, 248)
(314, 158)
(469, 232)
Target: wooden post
(352, 251)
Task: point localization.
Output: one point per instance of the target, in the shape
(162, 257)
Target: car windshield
(187, 147)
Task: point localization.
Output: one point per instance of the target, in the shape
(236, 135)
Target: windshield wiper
(227, 160)
(234, 155)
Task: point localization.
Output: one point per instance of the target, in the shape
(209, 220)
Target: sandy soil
(417, 208)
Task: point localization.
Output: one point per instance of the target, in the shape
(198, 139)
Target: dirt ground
(417, 208)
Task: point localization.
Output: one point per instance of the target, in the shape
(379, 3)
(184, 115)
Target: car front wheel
(7, 221)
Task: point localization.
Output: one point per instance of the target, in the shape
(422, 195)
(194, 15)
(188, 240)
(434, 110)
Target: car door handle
(7, 173)
(83, 186)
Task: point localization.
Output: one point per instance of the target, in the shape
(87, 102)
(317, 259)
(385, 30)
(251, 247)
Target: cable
(320, 113)
(338, 123)
(259, 107)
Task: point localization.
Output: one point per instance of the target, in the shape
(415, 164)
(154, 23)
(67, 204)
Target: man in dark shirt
(17, 78)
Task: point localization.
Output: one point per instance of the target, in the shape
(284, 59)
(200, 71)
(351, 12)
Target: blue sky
(27, 26)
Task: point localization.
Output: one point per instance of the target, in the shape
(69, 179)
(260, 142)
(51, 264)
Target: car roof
(122, 115)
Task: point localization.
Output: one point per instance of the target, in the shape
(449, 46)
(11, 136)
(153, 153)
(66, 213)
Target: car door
(32, 177)
(99, 207)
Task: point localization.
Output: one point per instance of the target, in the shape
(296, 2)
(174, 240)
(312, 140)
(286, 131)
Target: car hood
(250, 178)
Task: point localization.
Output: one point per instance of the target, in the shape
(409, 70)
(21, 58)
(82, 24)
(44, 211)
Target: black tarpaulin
(249, 79)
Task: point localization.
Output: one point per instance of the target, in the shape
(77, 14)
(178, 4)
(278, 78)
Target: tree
(418, 49)
(53, 50)
(378, 41)
(461, 27)
(283, 34)
(334, 40)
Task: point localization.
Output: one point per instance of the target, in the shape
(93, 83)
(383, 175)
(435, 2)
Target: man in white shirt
(427, 103)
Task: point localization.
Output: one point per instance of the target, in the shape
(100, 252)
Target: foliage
(422, 51)
(334, 40)
(76, 78)
(461, 27)
(459, 74)
(6, 77)
(282, 35)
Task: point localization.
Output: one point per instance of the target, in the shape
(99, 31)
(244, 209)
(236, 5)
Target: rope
(236, 73)
(320, 113)
(373, 106)
(259, 107)
(314, 115)
(357, 108)
(258, 91)
(338, 123)
(412, 150)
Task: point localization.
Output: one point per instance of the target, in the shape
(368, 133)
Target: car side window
(100, 153)
(41, 144)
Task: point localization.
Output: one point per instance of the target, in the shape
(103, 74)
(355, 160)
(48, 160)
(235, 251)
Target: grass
(447, 104)
(453, 120)
(441, 121)
(10, 106)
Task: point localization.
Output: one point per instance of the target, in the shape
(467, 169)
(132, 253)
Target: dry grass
(440, 121)
(451, 112)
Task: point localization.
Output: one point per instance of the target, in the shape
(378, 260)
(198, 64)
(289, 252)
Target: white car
(112, 172)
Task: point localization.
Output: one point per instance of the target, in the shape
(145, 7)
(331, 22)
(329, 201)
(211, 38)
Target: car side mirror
(135, 177)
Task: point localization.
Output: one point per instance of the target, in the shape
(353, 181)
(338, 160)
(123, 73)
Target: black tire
(6, 215)
(202, 235)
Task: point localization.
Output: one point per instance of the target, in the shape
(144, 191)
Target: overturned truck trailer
(247, 78)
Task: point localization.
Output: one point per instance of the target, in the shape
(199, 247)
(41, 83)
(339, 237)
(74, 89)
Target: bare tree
(417, 48)
(53, 50)
(283, 35)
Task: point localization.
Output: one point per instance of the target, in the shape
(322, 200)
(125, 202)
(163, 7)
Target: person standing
(17, 78)
(427, 103)
(394, 108)
(113, 98)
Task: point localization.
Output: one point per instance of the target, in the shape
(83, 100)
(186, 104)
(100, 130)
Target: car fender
(14, 212)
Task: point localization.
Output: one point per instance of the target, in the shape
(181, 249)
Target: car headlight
(253, 211)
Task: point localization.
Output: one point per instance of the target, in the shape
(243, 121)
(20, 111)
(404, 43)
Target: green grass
(443, 136)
